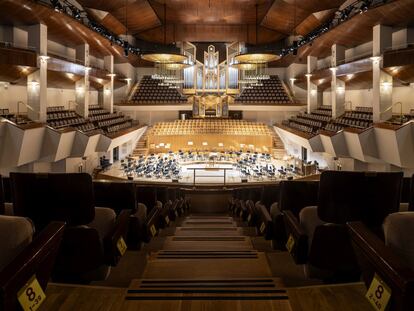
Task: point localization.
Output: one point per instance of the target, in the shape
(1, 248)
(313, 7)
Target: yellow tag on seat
(290, 243)
(31, 295)
(167, 219)
(378, 294)
(153, 230)
(121, 245)
(262, 227)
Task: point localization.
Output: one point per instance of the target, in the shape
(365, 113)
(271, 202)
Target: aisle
(208, 264)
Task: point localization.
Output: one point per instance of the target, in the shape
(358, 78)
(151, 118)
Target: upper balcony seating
(319, 235)
(25, 254)
(89, 245)
(388, 256)
(58, 117)
(272, 92)
(150, 93)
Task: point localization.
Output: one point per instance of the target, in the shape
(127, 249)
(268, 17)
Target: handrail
(401, 110)
(225, 169)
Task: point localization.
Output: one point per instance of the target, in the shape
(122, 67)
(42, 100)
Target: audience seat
(264, 223)
(389, 256)
(320, 231)
(148, 196)
(2, 208)
(120, 196)
(165, 214)
(24, 255)
(89, 245)
(294, 196)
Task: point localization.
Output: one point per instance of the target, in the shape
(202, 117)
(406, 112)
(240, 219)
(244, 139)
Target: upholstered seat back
(162, 194)
(270, 194)
(48, 197)
(295, 195)
(117, 195)
(16, 233)
(147, 196)
(398, 233)
(365, 196)
(2, 209)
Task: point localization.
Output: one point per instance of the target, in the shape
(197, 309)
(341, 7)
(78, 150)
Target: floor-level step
(246, 266)
(208, 231)
(207, 243)
(209, 294)
(205, 254)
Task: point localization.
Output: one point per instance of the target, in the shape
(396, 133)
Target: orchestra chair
(388, 256)
(294, 196)
(264, 223)
(92, 236)
(24, 256)
(120, 196)
(319, 238)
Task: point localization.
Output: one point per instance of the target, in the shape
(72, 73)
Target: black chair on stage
(119, 196)
(92, 236)
(25, 256)
(319, 237)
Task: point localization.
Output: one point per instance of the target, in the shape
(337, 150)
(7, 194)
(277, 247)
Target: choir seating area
(149, 92)
(272, 92)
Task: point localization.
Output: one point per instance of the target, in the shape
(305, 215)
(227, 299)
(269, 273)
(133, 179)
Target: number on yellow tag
(153, 230)
(31, 295)
(249, 217)
(167, 219)
(262, 227)
(290, 243)
(121, 245)
(378, 294)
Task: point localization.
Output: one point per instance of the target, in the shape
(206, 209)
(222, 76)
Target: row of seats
(300, 127)
(346, 226)
(271, 92)
(150, 92)
(71, 229)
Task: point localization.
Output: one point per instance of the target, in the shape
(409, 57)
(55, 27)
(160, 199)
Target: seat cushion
(16, 233)
(398, 233)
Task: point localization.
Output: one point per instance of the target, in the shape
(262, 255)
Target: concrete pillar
(381, 81)
(312, 94)
(82, 85)
(108, 89)
(338, 55)
(37, 81)
(337, 86)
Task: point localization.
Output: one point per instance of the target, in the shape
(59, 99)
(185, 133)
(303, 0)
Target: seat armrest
(36, 259)
(375, 257)
(299, 248)
(110, 242)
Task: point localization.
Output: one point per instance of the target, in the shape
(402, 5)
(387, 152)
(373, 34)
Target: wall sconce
(112, 75)
(87, 69)
(308, 75)
(44, 58)
(34, 84)
(333, 70)
(80, 89)
(107, 91)
(340, 90)
(128, 80)
(386, 86)
(375, 59)
(313, 92)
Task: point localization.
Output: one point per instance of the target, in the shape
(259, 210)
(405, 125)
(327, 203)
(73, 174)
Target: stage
(209, 169)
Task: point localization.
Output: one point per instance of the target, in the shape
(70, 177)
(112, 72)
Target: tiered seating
(311, 123)
(202, 126)
(271, 92)
(4, 113)
(58, 117)
(149, 92)
(109, 122)
(361, 118)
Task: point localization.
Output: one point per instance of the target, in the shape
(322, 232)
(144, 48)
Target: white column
(108, 88)
(312, 95)
(381, 81)
(82, 85)
(37, 81)
(337, 86)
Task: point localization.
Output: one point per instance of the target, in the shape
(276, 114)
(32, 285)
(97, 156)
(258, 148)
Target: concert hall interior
(214, 155)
